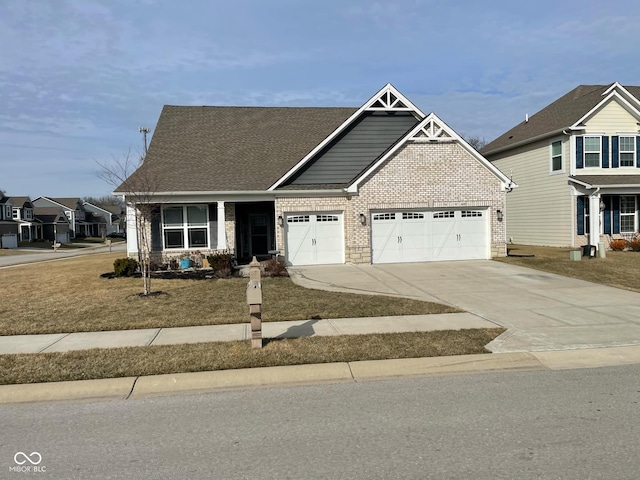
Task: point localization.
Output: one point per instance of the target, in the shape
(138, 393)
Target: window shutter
(156, 231)
(615, 152)
(580, 215)
(616, 213)
(607, 214)
(605, 152)
(579, 159)
(638, 152)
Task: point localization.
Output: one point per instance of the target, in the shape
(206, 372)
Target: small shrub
(173, 264)
(275, 268)
(125, 267)
(220, 261)
(618, 245)
(634, 244)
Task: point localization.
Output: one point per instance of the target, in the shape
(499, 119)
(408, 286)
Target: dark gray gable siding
(353, 151)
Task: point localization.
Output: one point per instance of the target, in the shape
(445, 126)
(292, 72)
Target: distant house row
(55, 220)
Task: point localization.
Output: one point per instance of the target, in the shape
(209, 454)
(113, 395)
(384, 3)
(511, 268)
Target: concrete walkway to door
(541, 311)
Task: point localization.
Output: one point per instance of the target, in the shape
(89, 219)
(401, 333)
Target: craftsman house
(380, 183)
(577, 162)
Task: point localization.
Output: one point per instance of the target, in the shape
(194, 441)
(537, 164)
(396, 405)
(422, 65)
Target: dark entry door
(259, 233)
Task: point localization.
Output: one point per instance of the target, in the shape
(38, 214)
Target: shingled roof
(231, 148)
(559, 115)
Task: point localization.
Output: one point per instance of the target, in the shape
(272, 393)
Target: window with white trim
(8, 212)
(592, 151)
(556, 156)
(627, 151)
(185, 226)
(449, 214)
(627, 213)
(16, 213)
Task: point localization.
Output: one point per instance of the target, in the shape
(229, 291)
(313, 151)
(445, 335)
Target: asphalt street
(570, 424)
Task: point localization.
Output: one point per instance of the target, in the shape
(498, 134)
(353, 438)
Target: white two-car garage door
(313, 239)
(445, 234)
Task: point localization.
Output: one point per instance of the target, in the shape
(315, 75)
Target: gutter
(563, 130)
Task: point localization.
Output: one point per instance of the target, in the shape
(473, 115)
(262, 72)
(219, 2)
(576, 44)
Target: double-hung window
(592, 151)
(185, 226)
(627, 213)
(627, 151)
(556, 156)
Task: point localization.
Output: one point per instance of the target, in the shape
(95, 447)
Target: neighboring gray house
(82, 221)
(8, 227)
(29, 228)
(111, 214)
(55, 224)
(577, 162)
(380, 183)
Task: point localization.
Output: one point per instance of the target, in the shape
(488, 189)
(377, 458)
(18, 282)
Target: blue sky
(78, 77)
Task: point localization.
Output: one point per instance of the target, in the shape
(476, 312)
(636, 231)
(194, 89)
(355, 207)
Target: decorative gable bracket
(431, 131)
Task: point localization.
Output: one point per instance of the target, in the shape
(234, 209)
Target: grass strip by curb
(166, 359)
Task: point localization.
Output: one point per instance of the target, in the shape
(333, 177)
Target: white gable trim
(384, 96)
(433, 130)
(633, 109)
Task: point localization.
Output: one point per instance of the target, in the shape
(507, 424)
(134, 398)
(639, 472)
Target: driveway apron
(541, 311)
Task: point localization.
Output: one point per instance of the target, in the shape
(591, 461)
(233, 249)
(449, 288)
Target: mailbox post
(254, 300)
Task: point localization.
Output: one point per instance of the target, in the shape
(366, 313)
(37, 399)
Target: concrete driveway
(542, 311)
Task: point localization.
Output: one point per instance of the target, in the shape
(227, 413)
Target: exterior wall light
(500, 215)
(280, 221)
(363, 219)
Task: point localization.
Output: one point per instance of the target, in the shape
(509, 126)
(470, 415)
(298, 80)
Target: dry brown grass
(70, 296)
(618, 269)
(6, 252)
(154, 360)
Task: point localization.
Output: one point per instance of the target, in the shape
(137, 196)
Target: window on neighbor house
(627, 151)
(627, 213)
(8, 215)
(16, 213)
(556, 156)
(185, 226)
(28, 214)
(592, 150)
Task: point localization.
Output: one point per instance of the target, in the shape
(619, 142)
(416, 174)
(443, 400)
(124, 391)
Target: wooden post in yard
(254, 300)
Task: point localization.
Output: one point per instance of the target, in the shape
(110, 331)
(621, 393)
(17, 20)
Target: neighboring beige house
(380, 183)
(577, 164)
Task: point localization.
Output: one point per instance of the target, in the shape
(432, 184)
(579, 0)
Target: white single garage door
(444, 234)
(9, 240)
(314, 238)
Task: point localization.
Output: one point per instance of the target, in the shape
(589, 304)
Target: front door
(259, 234)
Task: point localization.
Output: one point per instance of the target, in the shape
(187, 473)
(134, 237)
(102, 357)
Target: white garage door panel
(314, 239)
(300, 239)
(413, 240)
(384, 238)
(429, 236)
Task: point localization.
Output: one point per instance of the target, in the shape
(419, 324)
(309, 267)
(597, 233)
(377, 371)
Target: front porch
(245, 229)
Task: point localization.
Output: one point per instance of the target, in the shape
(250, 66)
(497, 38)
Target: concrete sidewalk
(64, 342)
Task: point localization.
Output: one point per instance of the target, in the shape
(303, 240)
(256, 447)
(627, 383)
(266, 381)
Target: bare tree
(138, 188)
(476, 142)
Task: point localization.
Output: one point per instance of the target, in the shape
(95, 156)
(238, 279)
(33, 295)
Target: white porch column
(594, 219)
(222, 233)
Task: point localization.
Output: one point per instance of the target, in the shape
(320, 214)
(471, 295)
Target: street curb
(101, 389)
(352, 372)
